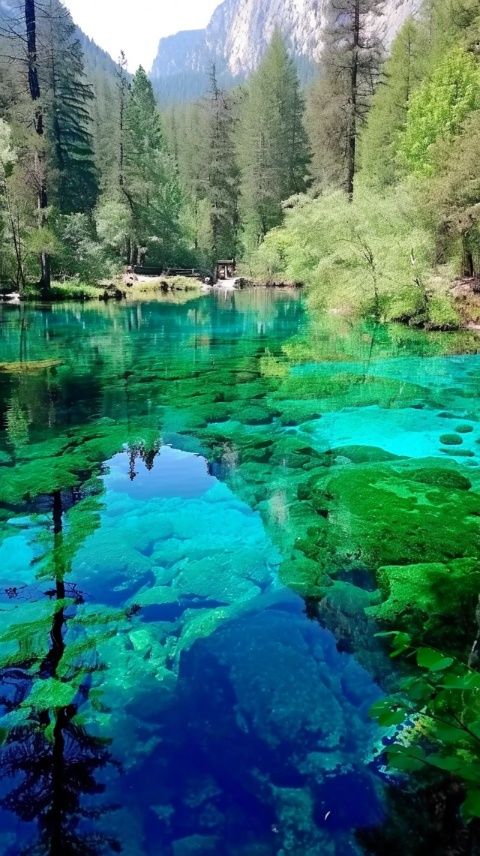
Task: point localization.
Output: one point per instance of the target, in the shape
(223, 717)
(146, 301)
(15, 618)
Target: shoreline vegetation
(363, 187)
(128, 287)
(447, 305)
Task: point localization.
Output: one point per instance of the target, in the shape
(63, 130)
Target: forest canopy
(95, 177)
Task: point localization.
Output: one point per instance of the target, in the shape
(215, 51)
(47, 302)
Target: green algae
(29, 366)
(336, 514)
(398, 514)
(420, 598)
(451, 440)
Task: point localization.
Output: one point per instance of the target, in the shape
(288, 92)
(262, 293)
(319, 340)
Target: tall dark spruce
(273, 149)
(68, 120)
(39, 126)
(351, 63)
(222, 171)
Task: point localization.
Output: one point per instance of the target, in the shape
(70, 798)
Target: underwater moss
(420, 598)
(451, 440)
(398, 514)
(29, 366)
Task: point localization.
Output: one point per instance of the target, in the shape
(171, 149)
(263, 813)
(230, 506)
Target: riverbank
(118, 288)
(376, 256)
(132, 287)
(446, 304)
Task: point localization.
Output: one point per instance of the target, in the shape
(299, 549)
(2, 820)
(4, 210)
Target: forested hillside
(85, 175)
(363, 187)
(392, 218)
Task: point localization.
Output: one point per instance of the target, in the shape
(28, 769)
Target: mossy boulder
(426, 598)
(398, 514)
(451, 440)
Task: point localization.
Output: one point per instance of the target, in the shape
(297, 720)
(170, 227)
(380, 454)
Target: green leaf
(469, 681)
(401, 642)
(449, 763)
(387, 713)
(405, 759)
(433, 660)
(471, 806)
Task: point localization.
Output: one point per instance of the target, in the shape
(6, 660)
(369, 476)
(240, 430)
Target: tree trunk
(352, 128)
(40, 159)
(17, 244)
(468, 265)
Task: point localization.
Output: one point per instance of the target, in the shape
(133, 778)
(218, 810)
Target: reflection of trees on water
(144, 452)
(55, 773)
(48, 754)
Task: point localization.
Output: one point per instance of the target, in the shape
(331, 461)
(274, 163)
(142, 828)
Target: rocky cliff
(237, 36)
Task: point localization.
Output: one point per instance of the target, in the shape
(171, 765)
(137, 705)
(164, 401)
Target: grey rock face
(238, 34)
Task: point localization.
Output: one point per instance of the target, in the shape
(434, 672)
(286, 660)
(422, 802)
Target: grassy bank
(117, 289)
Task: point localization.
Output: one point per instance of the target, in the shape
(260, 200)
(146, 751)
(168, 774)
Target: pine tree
(40, 171)
(273, 152)
(150, 183)
(386, 121)
(68, 108)
(351, 60)
(326, 123)
(188, 131)
(222, 172)
(122, 90)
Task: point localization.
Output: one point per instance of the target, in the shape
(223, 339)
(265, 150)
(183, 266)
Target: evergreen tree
(122, 90)
(326, 123)
(39, 154)
(387, 118)
(188, 130)
(68, 110)
(454, 194)
(273, 151)
(351, 61)
(222, 172)
(150, 183)
(105, 130)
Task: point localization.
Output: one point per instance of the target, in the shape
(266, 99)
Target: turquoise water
(173, 680)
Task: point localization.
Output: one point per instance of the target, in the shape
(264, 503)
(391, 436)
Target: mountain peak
(237, 36)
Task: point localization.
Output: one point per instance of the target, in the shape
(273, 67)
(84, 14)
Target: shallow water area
(190, 579)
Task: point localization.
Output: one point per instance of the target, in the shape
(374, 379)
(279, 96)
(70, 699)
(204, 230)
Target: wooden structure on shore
(225, 269)
(142, 270)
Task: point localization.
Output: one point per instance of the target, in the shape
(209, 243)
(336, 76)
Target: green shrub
(373, 256)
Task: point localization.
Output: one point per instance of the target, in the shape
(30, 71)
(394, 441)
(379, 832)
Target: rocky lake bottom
(209, 511)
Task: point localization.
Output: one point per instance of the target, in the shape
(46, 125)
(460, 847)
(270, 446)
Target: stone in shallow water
(451, 440)
(284, 717)
(286, 677)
